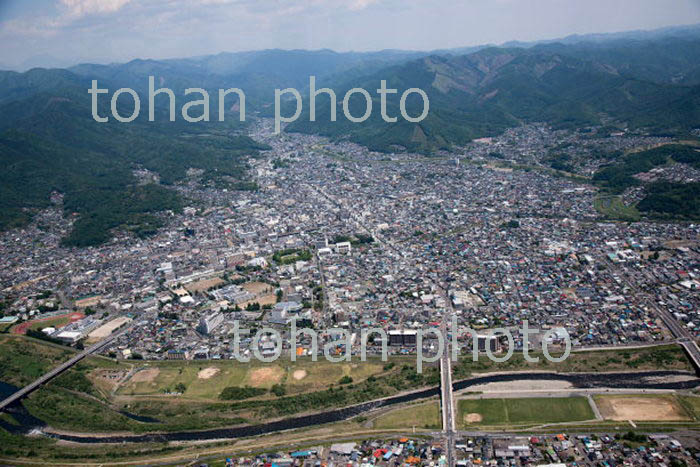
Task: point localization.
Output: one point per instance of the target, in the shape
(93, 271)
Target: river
(631, 380)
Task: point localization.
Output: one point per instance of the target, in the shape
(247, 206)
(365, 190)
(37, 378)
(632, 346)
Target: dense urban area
(560, 449)
(339, 239)
(350, 233)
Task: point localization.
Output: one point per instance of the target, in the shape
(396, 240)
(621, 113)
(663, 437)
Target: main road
(447, 399)
(447, 402)
(447, 405)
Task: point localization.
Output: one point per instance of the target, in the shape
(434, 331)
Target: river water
(630, 380)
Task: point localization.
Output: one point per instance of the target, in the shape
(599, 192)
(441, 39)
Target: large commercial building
(280, 312)
(233, 294)
(69, 337)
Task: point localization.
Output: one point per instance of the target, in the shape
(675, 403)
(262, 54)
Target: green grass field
(57, 322)
(523, 411)
(206, 380)
(303, 376)
(481, 412)
(23, 360)
(90, 396)
(692, 405)
(612, 207)
(157, 378)
(425, 415)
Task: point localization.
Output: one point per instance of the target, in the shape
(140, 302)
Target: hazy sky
(32, 31)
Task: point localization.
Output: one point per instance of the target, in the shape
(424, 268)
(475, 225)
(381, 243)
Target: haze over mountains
(646, 81)
(640, 84)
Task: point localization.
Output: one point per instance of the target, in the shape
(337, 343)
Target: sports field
(523, 411)
(52, 322)
(641, 408)
(204, 284)
(206, 380)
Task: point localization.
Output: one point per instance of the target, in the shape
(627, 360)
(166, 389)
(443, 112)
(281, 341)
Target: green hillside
(49, 142)
(483, 93)
(664, 199)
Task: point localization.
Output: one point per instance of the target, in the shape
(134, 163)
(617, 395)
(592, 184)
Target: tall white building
(343, 247)
(210, 322)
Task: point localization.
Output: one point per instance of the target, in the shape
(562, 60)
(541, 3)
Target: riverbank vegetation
(103, 395)
(661, 357)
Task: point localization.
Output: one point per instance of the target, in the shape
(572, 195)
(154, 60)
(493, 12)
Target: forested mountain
(257, 73)
(49, 141)
(650, 85)
(664, 199)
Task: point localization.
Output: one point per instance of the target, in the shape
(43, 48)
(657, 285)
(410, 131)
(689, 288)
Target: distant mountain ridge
(653, 85)
(49, 141)
(231, 62)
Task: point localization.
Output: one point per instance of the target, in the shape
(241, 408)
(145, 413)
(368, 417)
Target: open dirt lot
(269, 299)
(257, 287)
(265, 377)
(521, 385)
(207, 373)
(145, 376)
(299, 374)
(108, 328)
(473, 418)
(204, 284)
(650, 408)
